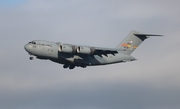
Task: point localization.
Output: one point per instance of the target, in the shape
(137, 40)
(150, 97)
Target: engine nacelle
(67, 49)
(85, 50)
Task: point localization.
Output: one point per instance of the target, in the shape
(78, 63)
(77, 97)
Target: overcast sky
(151, 82)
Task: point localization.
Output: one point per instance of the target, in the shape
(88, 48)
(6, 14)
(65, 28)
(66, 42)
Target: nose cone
(26, 47)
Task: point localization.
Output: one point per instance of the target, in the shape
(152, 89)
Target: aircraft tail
(132, 41)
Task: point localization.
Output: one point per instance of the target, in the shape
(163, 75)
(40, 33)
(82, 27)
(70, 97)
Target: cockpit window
(32, 42)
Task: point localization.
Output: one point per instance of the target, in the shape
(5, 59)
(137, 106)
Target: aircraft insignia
(129, 45)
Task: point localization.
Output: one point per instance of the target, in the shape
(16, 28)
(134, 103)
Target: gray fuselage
(50, 50)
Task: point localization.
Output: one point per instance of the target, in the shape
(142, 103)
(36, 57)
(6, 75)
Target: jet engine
(67, 48)
(85, 50)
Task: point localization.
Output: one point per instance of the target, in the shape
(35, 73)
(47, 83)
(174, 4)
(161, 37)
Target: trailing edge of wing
(105, 51)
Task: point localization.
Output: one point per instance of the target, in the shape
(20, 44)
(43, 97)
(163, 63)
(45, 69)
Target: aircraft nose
(26, 47)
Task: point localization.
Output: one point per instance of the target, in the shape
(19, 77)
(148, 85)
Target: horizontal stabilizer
(144, 36)
(147, 35)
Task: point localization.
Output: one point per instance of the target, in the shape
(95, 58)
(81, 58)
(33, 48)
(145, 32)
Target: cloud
(116, 95)
(151, 82)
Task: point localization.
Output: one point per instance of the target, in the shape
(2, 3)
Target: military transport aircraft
(72, 56)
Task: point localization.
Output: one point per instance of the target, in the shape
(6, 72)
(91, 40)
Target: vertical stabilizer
(132, 41)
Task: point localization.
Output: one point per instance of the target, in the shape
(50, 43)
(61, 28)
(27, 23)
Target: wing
(67, 48)
(106, 51)
(100, 52)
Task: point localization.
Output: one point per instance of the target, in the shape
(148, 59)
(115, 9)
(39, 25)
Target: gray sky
(151, 82)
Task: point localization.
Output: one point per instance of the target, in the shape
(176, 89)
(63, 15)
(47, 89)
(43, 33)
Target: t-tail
(132, 41)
